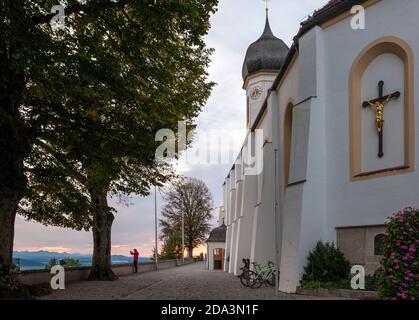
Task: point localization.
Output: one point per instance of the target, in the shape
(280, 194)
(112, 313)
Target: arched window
(379, 244)
(287, 141)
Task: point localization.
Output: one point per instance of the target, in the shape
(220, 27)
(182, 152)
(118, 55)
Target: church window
(247, 110)
(379, 244)
(287, 141)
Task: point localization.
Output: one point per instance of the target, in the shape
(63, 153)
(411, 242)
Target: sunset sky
(235, 26)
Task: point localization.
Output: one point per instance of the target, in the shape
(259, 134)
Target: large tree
(79, 107)
(191, 199)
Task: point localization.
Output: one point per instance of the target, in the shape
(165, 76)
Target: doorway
(218, 259)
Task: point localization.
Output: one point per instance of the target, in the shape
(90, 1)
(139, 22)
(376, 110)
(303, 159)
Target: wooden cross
(379, 105)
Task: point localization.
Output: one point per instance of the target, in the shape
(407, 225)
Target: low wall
(30, 277)
(342, 293)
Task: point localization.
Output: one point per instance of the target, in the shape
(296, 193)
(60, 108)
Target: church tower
(263, 61)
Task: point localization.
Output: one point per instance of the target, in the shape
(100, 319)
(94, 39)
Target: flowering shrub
(400, 265)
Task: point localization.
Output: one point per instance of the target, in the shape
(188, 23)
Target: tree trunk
(190, 252)
(14, 147)
(15, 136)
(102, 227)
(8, 208)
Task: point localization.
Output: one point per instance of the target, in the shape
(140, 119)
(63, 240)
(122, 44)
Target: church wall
(313, 212)
(263, 232)
(233, 227)
(265, 124)
(245, 206)
(290, 203)
(288, 90)
(308, 65)
(371, 201)
(228, 224)
(244, 240)
(237, 217)
(304, 209)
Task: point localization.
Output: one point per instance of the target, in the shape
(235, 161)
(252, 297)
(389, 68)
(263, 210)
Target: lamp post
(156, 255)
(183, 238)
(276, 220)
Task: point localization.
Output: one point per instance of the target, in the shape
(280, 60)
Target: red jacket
(135, 254)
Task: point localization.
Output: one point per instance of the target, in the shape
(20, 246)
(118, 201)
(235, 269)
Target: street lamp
(156, 255)
(183, 238)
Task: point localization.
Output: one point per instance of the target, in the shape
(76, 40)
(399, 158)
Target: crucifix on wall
(379, 105)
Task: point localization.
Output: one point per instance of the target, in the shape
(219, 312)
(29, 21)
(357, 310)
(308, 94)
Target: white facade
(333, 182)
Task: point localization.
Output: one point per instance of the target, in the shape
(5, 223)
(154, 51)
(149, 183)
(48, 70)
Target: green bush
(326, 264)
(12, 289)
(372, 282)
(400, 264)
(67, 263)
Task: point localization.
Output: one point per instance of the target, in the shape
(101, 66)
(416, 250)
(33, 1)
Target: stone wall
(30, 277)
(357, 244)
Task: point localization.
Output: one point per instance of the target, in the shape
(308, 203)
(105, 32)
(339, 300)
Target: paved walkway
(191, 282)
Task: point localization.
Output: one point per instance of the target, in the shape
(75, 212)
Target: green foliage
(80, 106)
(12, 289)
(172, 241)
(400, 264)
(326, 264)
(340, 284)
(67, 263)
(135, 68)
(371, 284)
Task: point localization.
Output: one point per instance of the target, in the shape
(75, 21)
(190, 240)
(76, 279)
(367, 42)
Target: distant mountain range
(36, 260)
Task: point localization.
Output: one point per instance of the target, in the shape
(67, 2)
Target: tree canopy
(190, 198)
(80, 105)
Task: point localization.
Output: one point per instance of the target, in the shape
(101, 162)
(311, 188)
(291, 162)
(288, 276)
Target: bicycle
(264, 275)
(247, 278)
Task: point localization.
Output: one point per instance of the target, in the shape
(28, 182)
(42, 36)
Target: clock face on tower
(256, 92)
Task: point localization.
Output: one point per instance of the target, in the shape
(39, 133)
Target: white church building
(330, 148)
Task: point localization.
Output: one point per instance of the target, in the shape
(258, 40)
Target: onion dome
(266, 54)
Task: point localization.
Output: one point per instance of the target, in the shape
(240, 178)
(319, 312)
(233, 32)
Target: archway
(382, 48)
(218, 254)
(379, 244)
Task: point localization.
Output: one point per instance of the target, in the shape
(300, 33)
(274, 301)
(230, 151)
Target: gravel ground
(190, 282)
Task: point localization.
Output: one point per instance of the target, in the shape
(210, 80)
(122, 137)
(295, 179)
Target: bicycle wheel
(244, 278)
(255, 281)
